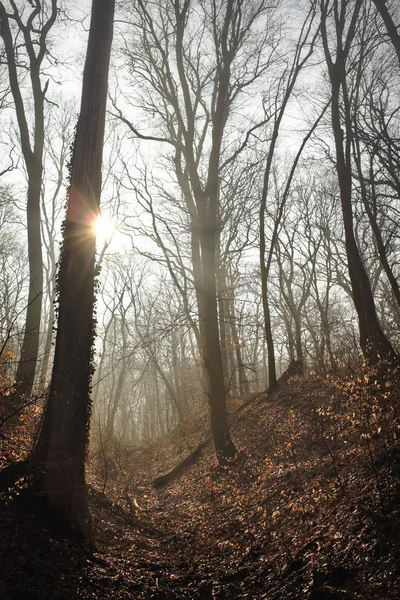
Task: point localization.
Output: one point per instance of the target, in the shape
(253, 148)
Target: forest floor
(310, 510)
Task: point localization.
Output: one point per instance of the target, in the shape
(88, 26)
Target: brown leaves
(281, 524)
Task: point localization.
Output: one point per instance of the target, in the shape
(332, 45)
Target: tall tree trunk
(34, 42)
(208, 210)
(61, 447)
(297, 65)
(26, 370)
(205, 227)
(373, 341)
(212, 354)
(264, 272)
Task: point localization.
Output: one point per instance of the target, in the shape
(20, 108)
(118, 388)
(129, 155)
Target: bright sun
(105, 230)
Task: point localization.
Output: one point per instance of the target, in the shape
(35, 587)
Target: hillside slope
(311, 509)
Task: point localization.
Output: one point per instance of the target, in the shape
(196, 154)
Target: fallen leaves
(285, 521)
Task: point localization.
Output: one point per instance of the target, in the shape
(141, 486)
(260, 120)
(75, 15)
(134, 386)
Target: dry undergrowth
(311, 509)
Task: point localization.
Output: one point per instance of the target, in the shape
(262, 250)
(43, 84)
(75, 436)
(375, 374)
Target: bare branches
(391, 28)
(119, 115)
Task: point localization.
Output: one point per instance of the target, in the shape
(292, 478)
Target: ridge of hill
(310, 510)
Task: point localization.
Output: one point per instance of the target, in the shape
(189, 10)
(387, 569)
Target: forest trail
(299, 516)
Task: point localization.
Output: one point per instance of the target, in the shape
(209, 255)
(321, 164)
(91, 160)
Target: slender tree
(288, 79)
(57, 135)
(29, 34)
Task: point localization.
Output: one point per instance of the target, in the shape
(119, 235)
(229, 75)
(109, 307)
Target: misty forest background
(251, 190)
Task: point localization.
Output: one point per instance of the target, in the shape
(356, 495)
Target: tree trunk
(243, 382)
(48, 340)
(61, 447)
(391, 28)
(26, 370)
(272, 378)
(205, 230)
(369, 203)
(224, 447)
(373, 342)
(221, 284)
(32, 144)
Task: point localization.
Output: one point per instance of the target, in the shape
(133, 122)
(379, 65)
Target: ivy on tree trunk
(61, 447)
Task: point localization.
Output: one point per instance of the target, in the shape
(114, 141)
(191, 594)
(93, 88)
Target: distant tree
(61, 446)
(323, 222)
(58, 132)
(275, 111)
(13, 275)
(296, 259)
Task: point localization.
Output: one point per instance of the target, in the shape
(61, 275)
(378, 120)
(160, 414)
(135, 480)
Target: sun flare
(104, 229)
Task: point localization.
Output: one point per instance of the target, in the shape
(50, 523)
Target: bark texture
(61, 447)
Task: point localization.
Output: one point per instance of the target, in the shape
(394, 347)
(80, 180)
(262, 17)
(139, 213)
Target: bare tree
(275, 113)
(192, 100)
(13, 274)
(58, 132)
(296, 273)
(25, 32)
(375, 144)
(338, 41)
